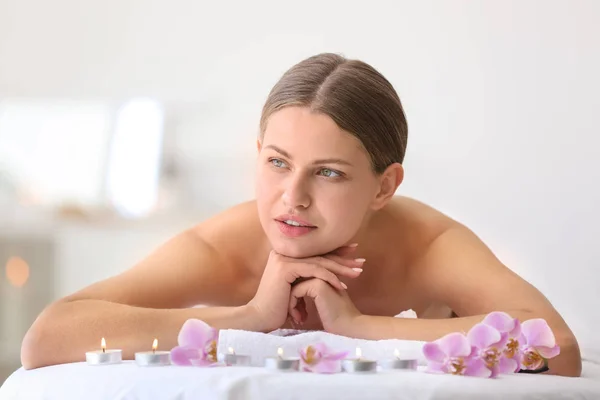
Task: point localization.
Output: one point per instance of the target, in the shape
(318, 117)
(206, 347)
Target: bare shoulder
(236, 235)
(424, 222)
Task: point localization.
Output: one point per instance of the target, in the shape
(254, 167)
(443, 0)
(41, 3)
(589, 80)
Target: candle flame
(230, 349)
(396, 353)
(280, 352)
(358, 352)
(154, 345)
(103, 345)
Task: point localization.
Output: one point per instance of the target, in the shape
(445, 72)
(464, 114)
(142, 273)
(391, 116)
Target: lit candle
(153, 358)
(359, 364)
(398, 363)
(103, 357)
(232, 359)
(280, 363)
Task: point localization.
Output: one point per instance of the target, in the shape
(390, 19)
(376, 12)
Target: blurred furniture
(26, 287)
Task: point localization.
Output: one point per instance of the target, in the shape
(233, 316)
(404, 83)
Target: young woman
(326, 244)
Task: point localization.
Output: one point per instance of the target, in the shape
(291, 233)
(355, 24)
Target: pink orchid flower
(454, 354)
(197, 344)
(489, 344)
(539, 344)
(511, 327)
(321, 359)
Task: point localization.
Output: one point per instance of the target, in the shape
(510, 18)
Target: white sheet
(127, 381)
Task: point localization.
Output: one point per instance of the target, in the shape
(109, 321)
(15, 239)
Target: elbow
(35, 351)
(31, 347)
(568, 362)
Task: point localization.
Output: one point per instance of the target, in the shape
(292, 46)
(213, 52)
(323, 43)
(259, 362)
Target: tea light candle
(232, 359)
(103, 357)
(282, 364)
(398, 363)
(153, 358)
(359, 364)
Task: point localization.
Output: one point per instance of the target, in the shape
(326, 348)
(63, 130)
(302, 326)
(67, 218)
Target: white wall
(501, 99)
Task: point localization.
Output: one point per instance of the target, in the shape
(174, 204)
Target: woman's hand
(336, 310)
(270, 304)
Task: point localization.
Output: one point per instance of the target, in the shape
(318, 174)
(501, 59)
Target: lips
(288, 217)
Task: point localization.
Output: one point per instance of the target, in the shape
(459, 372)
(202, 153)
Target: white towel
(262, 345)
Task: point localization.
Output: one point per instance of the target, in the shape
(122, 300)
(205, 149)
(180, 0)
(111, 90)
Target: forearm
(567, 363)
(66, 330)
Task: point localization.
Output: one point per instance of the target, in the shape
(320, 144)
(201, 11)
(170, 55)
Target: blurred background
(123, 122)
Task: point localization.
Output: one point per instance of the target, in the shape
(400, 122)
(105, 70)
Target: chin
(301, 247)
(294, 250)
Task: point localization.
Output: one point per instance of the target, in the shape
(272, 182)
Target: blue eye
(277, 163)
(330, 173)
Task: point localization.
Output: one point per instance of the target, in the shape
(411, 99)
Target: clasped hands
(287, 281)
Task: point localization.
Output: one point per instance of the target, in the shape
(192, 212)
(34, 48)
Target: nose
(296, 193)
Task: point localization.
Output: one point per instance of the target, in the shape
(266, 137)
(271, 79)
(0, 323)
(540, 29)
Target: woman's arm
(146, 302)
(460, 271)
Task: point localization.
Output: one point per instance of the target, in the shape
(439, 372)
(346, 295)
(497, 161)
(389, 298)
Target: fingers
(350, 263)
(343, 267)
(339, 266)
(298, 313)
(301, 306)
(310, 288)
(305, 270)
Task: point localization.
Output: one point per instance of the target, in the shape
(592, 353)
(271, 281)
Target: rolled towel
(260, 345)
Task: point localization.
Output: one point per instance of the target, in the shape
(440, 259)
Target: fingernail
(353, 245)
(357, 269)
(344, 285)
(360, 260)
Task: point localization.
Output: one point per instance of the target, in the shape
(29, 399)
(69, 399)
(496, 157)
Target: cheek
(265, 184)
(347, 210)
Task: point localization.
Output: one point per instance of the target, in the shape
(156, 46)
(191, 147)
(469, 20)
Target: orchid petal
(321, 347)
(538, 333)
(494, 371)
(516, 331)
(183, 355)
(433, 352)
(531, 360)
(326, 367)
(202, 362)
(507, 365)
(336, 356)
(434, 367)
(195, 333)
(454, 345)
(500, 320)
(483, 336)
(548, 352)
(504, 338)
(476, 367)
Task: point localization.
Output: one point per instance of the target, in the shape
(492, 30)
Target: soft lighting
(396, 353)
(358, 352)
(103, 345)
(280, 352)
(154, 345)
(134, 158)
(17, 271)
(230, 349)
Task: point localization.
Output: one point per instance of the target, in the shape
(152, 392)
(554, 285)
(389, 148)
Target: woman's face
(313, 174)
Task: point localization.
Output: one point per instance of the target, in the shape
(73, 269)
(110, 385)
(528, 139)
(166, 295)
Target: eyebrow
(321, 161)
